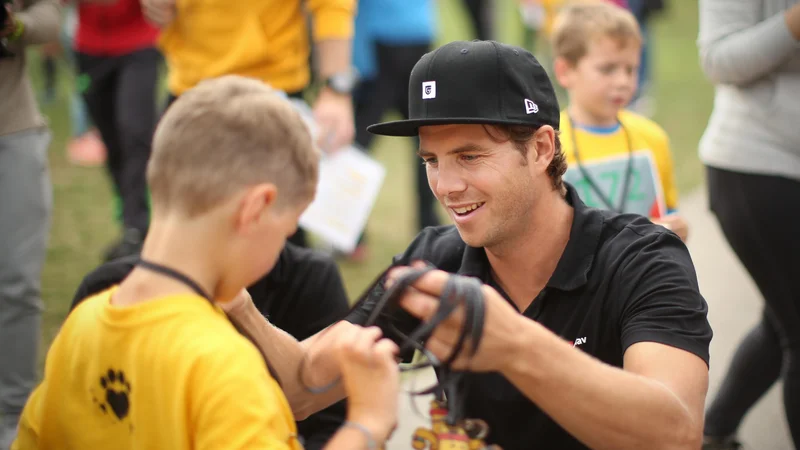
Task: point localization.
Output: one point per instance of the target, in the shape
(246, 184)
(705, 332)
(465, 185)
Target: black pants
(759, 217)
(299, 237)
(121, 100)
(389, 91)
(481, 17)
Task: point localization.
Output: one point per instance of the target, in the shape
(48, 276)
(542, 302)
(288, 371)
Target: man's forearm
(333, 56)
(603, 406)
(285, 354)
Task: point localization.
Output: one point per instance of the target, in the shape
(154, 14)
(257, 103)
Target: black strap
(175, 275)
(459, 290)
(191, 284)
(609, 202)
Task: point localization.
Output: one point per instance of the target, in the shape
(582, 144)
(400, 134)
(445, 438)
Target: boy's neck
(181, 246)
(583, 118)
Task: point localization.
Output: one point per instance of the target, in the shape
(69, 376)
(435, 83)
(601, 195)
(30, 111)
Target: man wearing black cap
(595, 333)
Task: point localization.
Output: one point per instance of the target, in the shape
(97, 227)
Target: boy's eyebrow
(462, 149)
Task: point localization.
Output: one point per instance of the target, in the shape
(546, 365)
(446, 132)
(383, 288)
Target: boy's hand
(371, 378)
(677, 224)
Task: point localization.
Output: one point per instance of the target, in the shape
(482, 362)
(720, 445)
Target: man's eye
(429, 161)
(469, 157)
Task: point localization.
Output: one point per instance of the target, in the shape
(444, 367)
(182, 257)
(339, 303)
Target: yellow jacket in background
(264, 39)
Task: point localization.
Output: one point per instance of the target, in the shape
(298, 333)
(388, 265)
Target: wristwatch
(343, 82)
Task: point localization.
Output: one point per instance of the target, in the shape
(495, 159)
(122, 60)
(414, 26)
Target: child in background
(617, 159)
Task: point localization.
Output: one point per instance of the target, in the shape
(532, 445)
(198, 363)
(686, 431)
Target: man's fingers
(432, 283)
(424, 306)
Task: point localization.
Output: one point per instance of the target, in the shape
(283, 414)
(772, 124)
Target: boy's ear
(563, 72)
(257, 201)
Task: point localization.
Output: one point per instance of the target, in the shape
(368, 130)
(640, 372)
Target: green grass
(83, 214)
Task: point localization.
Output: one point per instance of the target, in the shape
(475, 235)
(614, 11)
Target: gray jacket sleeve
(736, 45)
(42, 21)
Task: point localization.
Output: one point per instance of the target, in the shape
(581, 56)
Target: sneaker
(130, 244)
(721, 443)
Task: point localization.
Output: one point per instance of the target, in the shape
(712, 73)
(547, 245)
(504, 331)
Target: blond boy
(153, 362)
(617, 159)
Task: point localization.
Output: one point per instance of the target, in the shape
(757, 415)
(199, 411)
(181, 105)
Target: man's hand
(10, 25)
(159, 12)
(333, 113)
(500, 322)
(675, 223)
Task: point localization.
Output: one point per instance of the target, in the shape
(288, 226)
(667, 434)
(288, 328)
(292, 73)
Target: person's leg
(480, 14)
(136, 119)
(404, 59)
(49, 71)
(755, 367)
(25, 206)
(371, 99)
(98, 83)
(367, 111)
(758, 215)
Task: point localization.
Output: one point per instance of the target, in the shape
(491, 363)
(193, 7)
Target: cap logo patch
(530, 107)
(428, 89)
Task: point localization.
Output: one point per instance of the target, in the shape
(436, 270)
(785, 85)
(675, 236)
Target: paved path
(734, 306)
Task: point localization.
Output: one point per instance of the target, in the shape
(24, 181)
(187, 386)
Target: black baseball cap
(481, 82)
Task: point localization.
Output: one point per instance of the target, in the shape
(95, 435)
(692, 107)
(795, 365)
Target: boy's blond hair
(580, 22)
(226, 134)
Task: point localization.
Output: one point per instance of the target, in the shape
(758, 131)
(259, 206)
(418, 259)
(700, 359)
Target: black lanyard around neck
(609, 202)
(193, 285)
(175, 275)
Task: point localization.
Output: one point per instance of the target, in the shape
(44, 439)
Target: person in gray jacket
(750, 50)
(25, 205)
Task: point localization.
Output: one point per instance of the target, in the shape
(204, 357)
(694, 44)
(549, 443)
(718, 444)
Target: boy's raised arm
(285, 355)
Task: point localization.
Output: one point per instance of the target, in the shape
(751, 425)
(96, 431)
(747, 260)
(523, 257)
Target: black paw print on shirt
(117, 391)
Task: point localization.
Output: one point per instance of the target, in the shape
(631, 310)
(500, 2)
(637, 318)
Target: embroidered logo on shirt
(579, 341)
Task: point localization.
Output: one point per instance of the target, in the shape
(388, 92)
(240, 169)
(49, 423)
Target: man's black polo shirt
(621, 280)
(302, 295)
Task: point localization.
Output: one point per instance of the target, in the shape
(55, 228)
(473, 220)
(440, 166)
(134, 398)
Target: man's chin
(470, 238)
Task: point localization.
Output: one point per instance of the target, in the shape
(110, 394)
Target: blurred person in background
(25, 205)
(750, 50)
(268, 40)
(118, 65)
(391, 36)
(481, 16)
(85, 147)
(644, 11)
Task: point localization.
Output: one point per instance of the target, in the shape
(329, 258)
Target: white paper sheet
(349, 183)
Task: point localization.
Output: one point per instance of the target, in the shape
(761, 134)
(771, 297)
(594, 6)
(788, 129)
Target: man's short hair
(581, 22)
(226, 134)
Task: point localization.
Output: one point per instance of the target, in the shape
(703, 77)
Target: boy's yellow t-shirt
(605, 157)
(170, 373)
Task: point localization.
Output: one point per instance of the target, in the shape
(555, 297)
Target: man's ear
(255, 204)
(544, 147)
(562, 70)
